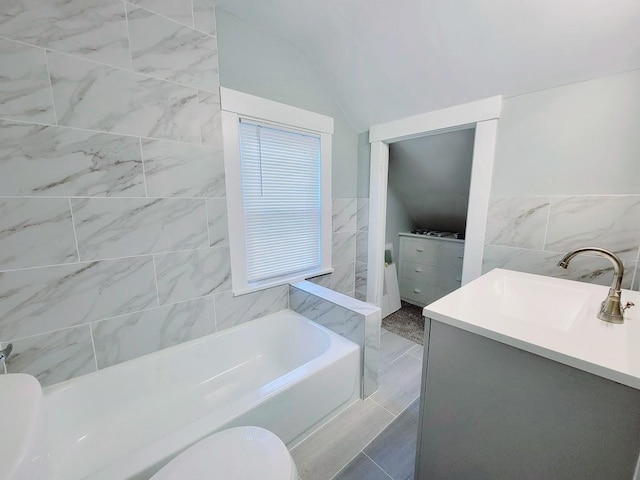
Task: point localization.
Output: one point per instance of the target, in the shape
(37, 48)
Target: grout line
(193, 15)
(144, 173)
(546, 227)
(73, 227)
(3, 197)
(206, 212)
(93, 345)
(120, 134)
(53, 102)
(105, 319)
(141, 255)
(394, 415)
(173, 20)
(155, 278)
(117, 67)
(374, 462)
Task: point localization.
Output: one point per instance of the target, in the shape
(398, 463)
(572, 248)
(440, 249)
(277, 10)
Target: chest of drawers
(428, 267)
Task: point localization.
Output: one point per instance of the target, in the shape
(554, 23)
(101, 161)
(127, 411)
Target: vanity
(521, 380)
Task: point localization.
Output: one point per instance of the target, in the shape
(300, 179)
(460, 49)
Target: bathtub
(281, 372)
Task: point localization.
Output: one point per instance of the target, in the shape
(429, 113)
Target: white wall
(581, 138)
(398, 220)
(254, 61)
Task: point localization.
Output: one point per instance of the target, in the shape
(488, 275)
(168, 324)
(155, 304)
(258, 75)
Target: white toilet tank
(23, 454)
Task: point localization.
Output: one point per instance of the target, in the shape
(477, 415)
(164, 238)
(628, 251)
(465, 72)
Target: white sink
(550, 317)
(23, 425)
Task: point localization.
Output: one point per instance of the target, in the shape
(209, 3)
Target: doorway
(482, 116)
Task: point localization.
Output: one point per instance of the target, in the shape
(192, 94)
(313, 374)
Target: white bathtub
(281, 372)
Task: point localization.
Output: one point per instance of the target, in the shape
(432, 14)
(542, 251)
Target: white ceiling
(390, 59)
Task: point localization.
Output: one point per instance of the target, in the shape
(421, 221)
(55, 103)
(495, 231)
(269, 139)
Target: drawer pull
(418, 270)
(460, 256)
(458, 279)
(420, 249)
(416, 290)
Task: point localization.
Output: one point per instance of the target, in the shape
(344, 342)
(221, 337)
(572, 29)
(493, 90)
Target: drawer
(420, 292)
(419, 251)
(451, 256)
(420, 272)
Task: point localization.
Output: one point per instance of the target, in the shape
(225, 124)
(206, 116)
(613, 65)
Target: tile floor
(375, 438)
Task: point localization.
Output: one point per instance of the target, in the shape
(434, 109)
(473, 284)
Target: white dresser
(429, 267)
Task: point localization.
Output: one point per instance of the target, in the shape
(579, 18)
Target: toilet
(241, 453)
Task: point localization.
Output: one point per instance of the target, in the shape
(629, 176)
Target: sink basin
(551, 317)
(536, 300)
(23, 424)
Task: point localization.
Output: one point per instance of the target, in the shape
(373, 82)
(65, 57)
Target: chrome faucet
(610, 310)
(4, 354)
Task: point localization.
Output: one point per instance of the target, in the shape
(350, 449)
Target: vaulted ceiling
(387, 59)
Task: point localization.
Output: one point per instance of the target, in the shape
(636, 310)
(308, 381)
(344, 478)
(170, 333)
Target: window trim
(236, 105)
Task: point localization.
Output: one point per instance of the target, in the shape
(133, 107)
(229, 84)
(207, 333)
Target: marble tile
(324, 453)
(232, 311)
(636, 281)
(372, 324)
(194, 273)
(68, 162)
(361, 468)
(361, 278)
(210, 118)
(344, 248)
(343, 279)
(517, 221)
(25, 92)
(93, 29)
(114, 227)
(97, 97)
(584, 268)
(124, 338)
(334, 317)
(204, 16)
(168, 50)
(362, 247)
(38, 300)
(175, 169)
(399, 384)
(394, 450)
(322, 280)
(392, 347)
(54, 357)
(35, 232)
(178, 10)
(343, 217)
(362, 216)
(610, 222)
(217, 222)
(362, 296)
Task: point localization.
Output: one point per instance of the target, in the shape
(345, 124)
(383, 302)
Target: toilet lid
(240, 453)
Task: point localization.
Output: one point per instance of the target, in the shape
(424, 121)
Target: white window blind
(281, 199)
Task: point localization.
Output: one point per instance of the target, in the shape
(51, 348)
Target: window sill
(257, 286)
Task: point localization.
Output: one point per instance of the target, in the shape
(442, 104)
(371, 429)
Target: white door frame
(484, 115)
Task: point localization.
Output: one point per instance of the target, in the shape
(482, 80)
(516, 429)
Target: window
(277, 162)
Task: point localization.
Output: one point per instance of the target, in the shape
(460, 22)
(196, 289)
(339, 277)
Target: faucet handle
(628, 305)
(4, 354)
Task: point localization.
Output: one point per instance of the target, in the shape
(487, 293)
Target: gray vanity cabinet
(491, 411)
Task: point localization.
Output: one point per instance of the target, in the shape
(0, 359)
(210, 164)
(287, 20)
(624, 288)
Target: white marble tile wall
(344, 221)
(362, 248)
(113, 223)
(531, 234)
(353, 319)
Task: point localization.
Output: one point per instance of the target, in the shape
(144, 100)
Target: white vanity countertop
(550, 317)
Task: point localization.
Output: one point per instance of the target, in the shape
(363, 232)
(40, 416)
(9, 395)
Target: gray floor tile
(417, 352)
(394, 450)
(392, 346)
(399, 384)
(361, 468)
(328, 450)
